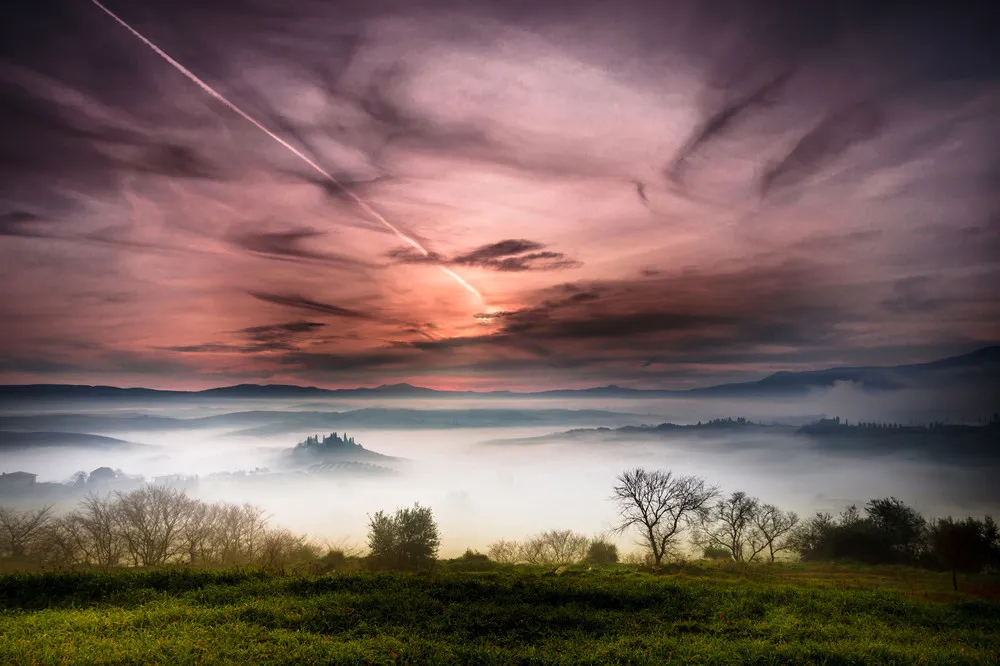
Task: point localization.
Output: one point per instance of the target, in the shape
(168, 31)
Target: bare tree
(810, 539)
(729, 524)
(660, 505)
(773, 528)
(280, 547)
(56, 546)
(504, 552)
(150, 520)
(531, 551)
(547, 548)
(94, 529)
(237, 534)
(564, 546)
(151, 526)
(20, 530)
(197, 530)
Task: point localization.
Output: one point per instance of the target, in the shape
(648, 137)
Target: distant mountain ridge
(30, 440)
(980, 365)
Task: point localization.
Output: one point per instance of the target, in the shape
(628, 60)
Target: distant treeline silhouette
(836, 426)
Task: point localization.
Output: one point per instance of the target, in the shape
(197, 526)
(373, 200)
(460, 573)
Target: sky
(531, 195)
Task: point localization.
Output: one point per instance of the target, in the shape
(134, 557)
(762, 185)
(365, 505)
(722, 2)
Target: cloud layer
(659, 194)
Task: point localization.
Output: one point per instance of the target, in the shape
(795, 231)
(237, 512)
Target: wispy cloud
(288, 245)
(512, 255)
(308, 304)
(640, 192)
(824, 143)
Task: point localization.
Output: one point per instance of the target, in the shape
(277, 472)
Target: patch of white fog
(482, 489)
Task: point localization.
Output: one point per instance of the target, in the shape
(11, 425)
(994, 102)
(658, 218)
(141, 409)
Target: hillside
(26, 440)
(333, 448)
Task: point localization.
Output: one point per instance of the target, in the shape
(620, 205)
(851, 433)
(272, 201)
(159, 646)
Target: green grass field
(696, 614)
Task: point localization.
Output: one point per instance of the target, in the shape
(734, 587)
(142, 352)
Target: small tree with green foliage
(900, 529)
(968, 545)
(602, 553)
(407, 540)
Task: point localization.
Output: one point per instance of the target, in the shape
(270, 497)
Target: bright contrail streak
(295, 151)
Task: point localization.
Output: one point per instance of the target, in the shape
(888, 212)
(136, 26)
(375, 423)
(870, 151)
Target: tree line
(149, 526)
(554, 547)
(158, 525)
(662, 508)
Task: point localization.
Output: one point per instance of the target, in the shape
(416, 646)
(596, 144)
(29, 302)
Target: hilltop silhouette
(333, 448)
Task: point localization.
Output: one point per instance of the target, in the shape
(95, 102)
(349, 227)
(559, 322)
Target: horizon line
(498, 390)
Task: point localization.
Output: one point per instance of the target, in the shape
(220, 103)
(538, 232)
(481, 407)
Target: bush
(472, 560)
(714, 553)
(333, 560)
(407, 540)
(969, 545)
(602, 553)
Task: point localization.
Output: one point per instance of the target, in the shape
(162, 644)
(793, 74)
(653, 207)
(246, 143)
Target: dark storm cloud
(302, 303)
(511, 255)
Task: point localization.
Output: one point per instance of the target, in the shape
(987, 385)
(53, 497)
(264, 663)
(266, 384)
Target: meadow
(694, 613)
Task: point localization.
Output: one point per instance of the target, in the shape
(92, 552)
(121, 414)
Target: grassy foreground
(789, 614)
